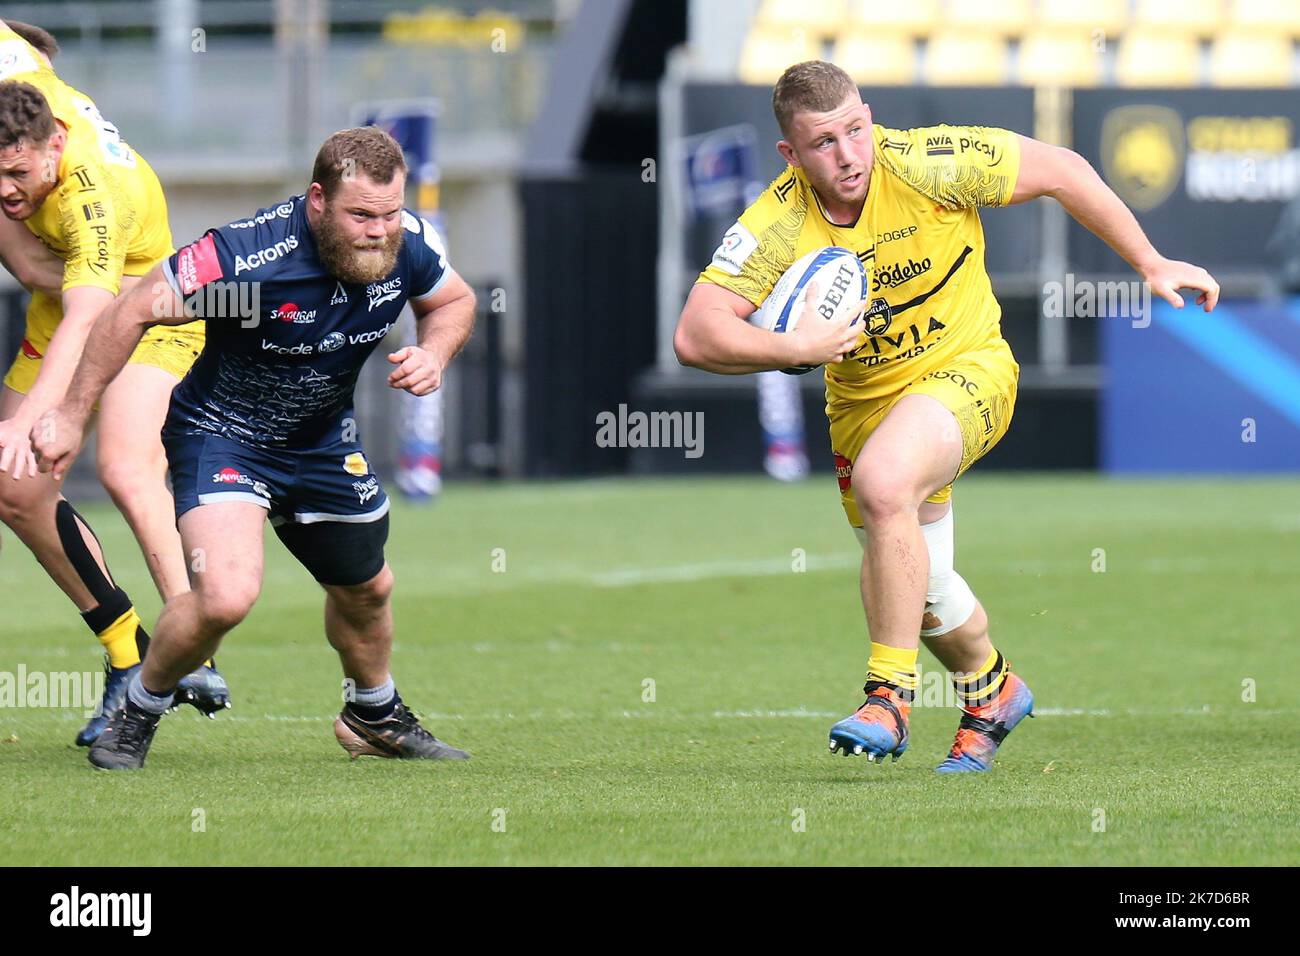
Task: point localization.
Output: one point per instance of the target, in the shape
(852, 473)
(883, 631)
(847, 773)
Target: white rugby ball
(841, 283)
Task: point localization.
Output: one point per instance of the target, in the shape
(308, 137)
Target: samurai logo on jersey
(381, 292)
(289, 312)
(261, 257)
(231, 476)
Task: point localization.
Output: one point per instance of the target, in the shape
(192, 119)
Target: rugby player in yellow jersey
(70, 188)
(921, 384)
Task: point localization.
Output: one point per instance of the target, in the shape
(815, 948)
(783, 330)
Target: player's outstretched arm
(27, 260)
(56, 436)
(443, 323)
(713, 334)
(1068, 178)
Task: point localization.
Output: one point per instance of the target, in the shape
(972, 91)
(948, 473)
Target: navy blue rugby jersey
(286, 339)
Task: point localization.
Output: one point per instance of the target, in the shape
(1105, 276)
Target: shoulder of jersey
(18, 57)
(419, 226)
(788, 191)
(269, 236)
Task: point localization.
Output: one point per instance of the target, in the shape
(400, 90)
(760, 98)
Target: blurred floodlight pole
(177, 20)
(301, 34)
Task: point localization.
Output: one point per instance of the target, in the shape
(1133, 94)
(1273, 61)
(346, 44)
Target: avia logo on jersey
(381, 292)
(231, 476)
(289, 312)
(939, 146)
(361, 338)
(261, 257)
(889, 276)
(282, 211)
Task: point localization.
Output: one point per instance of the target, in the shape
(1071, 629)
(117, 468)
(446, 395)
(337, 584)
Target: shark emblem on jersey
(381, 292)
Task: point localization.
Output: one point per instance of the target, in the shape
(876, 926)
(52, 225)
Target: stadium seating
(1156, 57)
(1131, 43)
(823, 18)
(1194, 18)
(767, 52)
(917, 18)
(1276, 16)
(1006, 18)
(961, 58)
(874, 57)
(1251, 58)
(1108, 16)
(1055, 57)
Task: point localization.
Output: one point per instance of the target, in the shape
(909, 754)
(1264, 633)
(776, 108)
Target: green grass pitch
(1166, 687)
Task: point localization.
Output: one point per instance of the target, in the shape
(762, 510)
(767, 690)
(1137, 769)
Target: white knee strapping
(949, 601)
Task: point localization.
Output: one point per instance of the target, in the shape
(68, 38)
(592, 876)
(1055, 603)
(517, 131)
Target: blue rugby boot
(878, 728)
(115, 681)
(983, 728)
(204, 689)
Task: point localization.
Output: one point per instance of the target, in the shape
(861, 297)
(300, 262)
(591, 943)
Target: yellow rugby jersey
(107, 216)
(918, 235)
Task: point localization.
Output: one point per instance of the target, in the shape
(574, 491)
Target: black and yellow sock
(117, 625)
(113, 618)
(895, 666)
(983, 685)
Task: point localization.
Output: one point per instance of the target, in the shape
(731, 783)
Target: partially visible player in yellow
(71, 189)
(920, 384)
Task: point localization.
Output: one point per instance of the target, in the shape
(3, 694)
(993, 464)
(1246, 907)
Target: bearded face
(359, 230)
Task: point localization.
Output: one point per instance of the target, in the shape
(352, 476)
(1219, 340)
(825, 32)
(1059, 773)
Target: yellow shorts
(172, 348)
(978, 387)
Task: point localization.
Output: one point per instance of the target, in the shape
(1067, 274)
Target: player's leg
(227, 538)
(337, 529)
(65, 546)
(913, 452)
(133, 468)
(981, 392)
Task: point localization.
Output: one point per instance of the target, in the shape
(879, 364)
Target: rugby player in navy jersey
(263, 425)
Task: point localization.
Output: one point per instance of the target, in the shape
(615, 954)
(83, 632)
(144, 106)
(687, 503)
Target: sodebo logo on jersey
(261, 257)
(898, 273)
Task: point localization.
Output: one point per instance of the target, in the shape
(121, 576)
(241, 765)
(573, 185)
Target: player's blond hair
(24, 115)
(363, 149)
(813, 86)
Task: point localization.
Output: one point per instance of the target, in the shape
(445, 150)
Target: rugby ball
(841, 283)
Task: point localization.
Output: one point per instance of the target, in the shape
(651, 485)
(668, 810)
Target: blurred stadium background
(586, 157)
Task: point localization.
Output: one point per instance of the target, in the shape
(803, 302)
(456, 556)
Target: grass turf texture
(539, 670)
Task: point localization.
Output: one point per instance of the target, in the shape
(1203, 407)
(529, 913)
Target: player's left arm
(1068, 178)
(443, 322)
(28, 260)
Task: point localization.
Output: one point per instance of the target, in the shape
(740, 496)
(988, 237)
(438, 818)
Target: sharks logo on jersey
(286, 377)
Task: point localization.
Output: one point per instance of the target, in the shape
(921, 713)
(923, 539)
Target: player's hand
(56, 437)
(816, 341)
(16, 457)
(418, 370)
(1167, 276)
